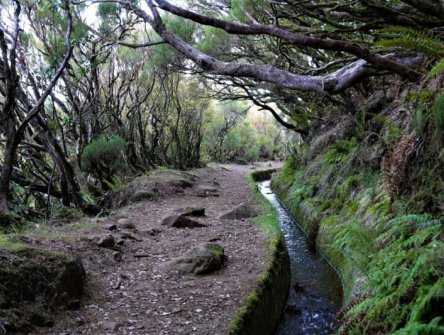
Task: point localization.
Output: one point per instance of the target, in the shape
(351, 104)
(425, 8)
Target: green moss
(262, 175)
(263, 307)
(7, 244)
(216, 250)
(67, 213)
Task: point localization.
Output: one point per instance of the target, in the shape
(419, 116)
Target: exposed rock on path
(202, 259)
(181, 221)
(191, 211)
(242, 211)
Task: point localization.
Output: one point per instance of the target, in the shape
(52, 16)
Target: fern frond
(420, 219)
(439, 67)
(412, 39)
(438, 116)
(431, 328)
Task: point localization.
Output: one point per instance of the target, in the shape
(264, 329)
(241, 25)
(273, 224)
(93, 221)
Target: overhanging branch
(296, 39)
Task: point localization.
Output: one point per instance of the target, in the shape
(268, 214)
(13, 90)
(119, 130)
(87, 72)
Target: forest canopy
(157, 83)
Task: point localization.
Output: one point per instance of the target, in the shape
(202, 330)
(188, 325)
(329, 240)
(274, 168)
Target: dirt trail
(127, 292)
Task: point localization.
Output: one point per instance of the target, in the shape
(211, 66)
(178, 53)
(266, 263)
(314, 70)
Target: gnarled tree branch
(330, 83)
(296, 39)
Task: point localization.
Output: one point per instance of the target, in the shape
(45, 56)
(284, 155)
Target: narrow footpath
(128, 289)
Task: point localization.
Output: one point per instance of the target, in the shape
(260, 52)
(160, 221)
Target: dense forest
(97, 93)
(86, 106)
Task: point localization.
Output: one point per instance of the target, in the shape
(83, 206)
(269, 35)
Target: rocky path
(128, 287)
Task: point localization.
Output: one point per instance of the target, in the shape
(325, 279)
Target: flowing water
(315, 291)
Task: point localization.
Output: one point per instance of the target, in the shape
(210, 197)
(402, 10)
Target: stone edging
(263, 307)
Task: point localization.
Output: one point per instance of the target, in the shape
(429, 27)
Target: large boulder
(181, 221)
(202, 259)
(34, 283)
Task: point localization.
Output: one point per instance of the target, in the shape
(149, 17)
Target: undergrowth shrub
(104, 157)
(340, 151)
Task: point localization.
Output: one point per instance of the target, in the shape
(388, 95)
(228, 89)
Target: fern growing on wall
(406, 281)
(393, 165)
(438, 118)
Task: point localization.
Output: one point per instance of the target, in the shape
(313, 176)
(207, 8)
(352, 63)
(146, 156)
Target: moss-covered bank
(369, 192)
(34, 283)
(263, 308)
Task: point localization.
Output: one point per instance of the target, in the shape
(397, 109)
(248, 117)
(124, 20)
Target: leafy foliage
(340, 151)
(438, 118)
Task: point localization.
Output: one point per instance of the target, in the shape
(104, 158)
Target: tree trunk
(8, 164)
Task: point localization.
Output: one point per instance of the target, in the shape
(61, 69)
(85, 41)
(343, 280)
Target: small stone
(242, 211)
(141, 195)
(111, 325)
(181, 221)
(191, 211)
(205, 192)
(128, 236)
(111, 227)
(126, 224)
(106, 241)
(153, 231)
(117, 256)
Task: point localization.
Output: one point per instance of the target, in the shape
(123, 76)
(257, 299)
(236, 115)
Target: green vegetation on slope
(382, 230)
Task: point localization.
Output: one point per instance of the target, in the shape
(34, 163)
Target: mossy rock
(35, 283)
(202, 259)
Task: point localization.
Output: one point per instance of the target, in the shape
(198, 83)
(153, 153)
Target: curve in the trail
(315, 291)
